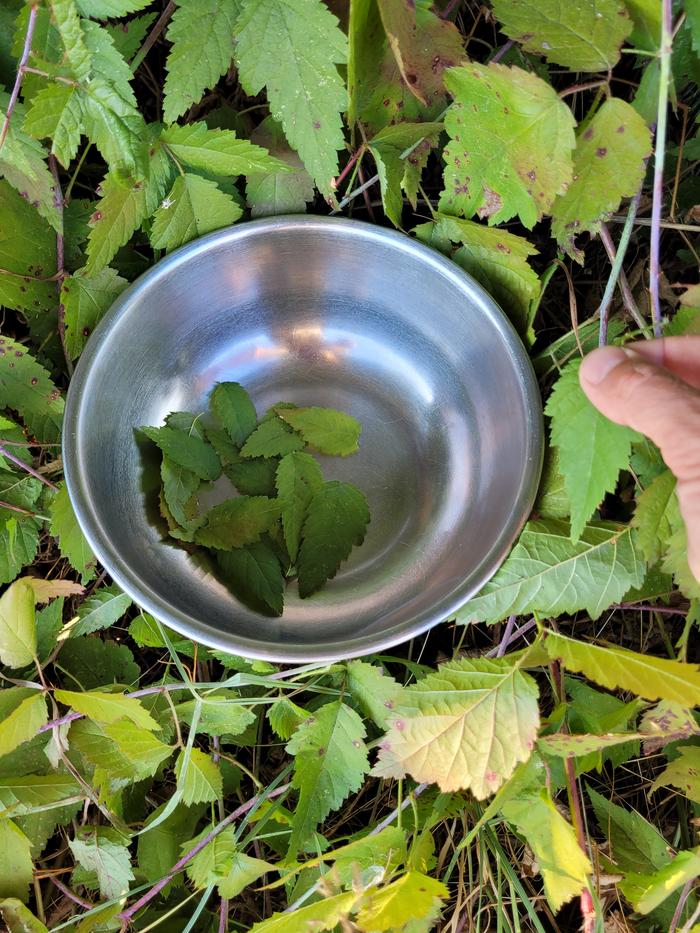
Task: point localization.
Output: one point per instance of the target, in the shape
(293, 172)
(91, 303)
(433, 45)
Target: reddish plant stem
(678, 912)
(223, 915)
(25, 466)
(584, 86)
(505, 640)
(21, 68)
(351, 161)
(126, 915)
(365, 193)
(16, 508)
(153, 35)
(514, 636)
(64, 889)
(449, 8)
(499, 53)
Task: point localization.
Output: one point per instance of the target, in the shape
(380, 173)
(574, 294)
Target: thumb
(629, 389)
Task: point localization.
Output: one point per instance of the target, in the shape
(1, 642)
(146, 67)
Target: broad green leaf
(17, 488)
(552, 499)
(56, 112)
(251, 476)
(28, 251)
(18, 545)
(115, 126)
(292, 48)
(23, 713)
(562, 864)
(219, 715)
(273, 193)
(26, 387)
(159, 848)
(386, 848)
(683, 773)
(336, 521)
(592, 449)
(16, 869)
(609, 164)
(232, 405)
(19, 795)
(107, 707)
(675, 560)
(64, 16)
(22, 163)
(653, 517)
(244, 870)
(285, 717)
(330, 761)
(272, 438)
(466, 726)
(387, 146)
(19, 919)
(218, 151)
(193, 207)
(510, 144)
(666, 722)
(100, 610)
(200, 781)
(322, 915)
(121, 752)
(110, 9)
(104, 851)
(617, 668)
(635, 844)
(255, 576)
(71, 541)
(646, 17)
(331, 432)
(585, 37)
(238, 522)
(85, 299)
(213, 861)
(17, 624)
(496, 258)
(646, 892)
(128, 37)
(298, 478)
(179, 491)
(201, 33)
(376, 691)
(187, 450)
(95, 663)
(548, 573)
(145, 632)
(410, 897)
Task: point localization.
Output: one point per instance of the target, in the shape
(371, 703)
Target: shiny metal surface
(317, 312)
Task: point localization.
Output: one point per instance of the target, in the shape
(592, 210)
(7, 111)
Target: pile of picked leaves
(533, 763)
(285, 522)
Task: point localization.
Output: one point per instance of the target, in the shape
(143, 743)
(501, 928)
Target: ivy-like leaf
(292, 47)
(193, 207)
(238, 522)
(71, 541)
(510, 144)
(298, 478)
(218, 151)
(85, 299)
(100, 610)
(187, 450)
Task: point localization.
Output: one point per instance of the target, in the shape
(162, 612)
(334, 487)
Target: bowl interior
(316, 312)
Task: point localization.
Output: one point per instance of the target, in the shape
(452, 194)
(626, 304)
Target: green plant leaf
(331, 432)
(617, 668)
(272, 438)
(187, 450)
(336, 521)
(212, 862)
(23, 712)
(121, 752)
(85, 299)
(548, 573)
(193, 207)
(107, 707)
(322, 915)
(64, 17)
(18, 545)
(201, 33)
(330, 761)
(128, 37)
(201, 781)
(115, 126)
(102, 608)
(219, 714)
(273, 193)
(646, 892)
(292, 48)
(683, 773)
(298, 478)
(104, 851)
(19, 919)
(160, 847)
(466, 726)
(562, 864)
(609, 164)
(71, 541)
(56, 112)
(285, 717)
(110, 9)
(592, 449)
(585, 38)
(410, 897)
(17, 624)
(244, 870)
(376, 692)
(19, 795)
(232, 405)
(28, 253)
(510, 144)
(218, 151)
(22, 164)
(16, 866)
(95, 663)
(654, 516)
(387, 147)
(635, 844)
(26, 387)
(238, 522)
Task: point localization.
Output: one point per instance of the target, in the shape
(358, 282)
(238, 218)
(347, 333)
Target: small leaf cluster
(285, 521)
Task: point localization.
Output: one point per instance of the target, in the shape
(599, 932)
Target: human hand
(654, 387)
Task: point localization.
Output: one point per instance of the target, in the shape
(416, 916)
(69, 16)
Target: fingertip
(601, 362)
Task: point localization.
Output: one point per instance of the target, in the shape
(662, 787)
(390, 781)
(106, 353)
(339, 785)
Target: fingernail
(597, 365)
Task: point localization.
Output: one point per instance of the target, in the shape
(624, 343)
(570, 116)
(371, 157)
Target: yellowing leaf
(107, 707)
(683, 773)
(609, 164)
(466, 726)
(646, 892)
(666, 722)
(410, 897)
(17, 624)
(510, 144)
(564, 744)
(193, 207)
(16, 869)
(23, 713)
(323, 915)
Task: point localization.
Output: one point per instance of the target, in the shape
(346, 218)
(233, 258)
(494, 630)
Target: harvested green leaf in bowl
(282, 521)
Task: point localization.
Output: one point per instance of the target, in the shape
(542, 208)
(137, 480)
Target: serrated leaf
(187, 450)
(548, 573)
(285, 717)
(255, 576)
(375, 690)
(19, 919)
(617, 668)
(298, 478)
(336, 521)
(213, 861)
(666, 722)
(158, 849)
(121, 752)
(410, 897)
(609, 164)
(100, 610)
(110, 9)
(56, 112)
(292, 48)
(244, 870)
(193, 207)
(635, 844)
(107, 707)
(510, 144)
(85, 299)
(22, 164)
(563, 866)
(71, 541)
(565, 745)
(201, 781)
(219, 714)
(387, 146)
(251, 476)
(238, 522)
(26, 387)
(329, 431)
(683, 773)
(464, 727)
(272, 438)
(274, 192)
(17, 624)
(23, 712)
(16, 868)
(64, 17)
(653, 516)
(19, 795)
(218, 151)
(647, 892)
(18, 545)
(179, 491)
(28, 251)
(104, 851)
(585, 37)
(322, 915)
(234, 408)
(592, 449)
(201, 33)
(96, 663)
(127, 37)
(330, 760)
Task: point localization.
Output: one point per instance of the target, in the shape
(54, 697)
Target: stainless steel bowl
(318, 312)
